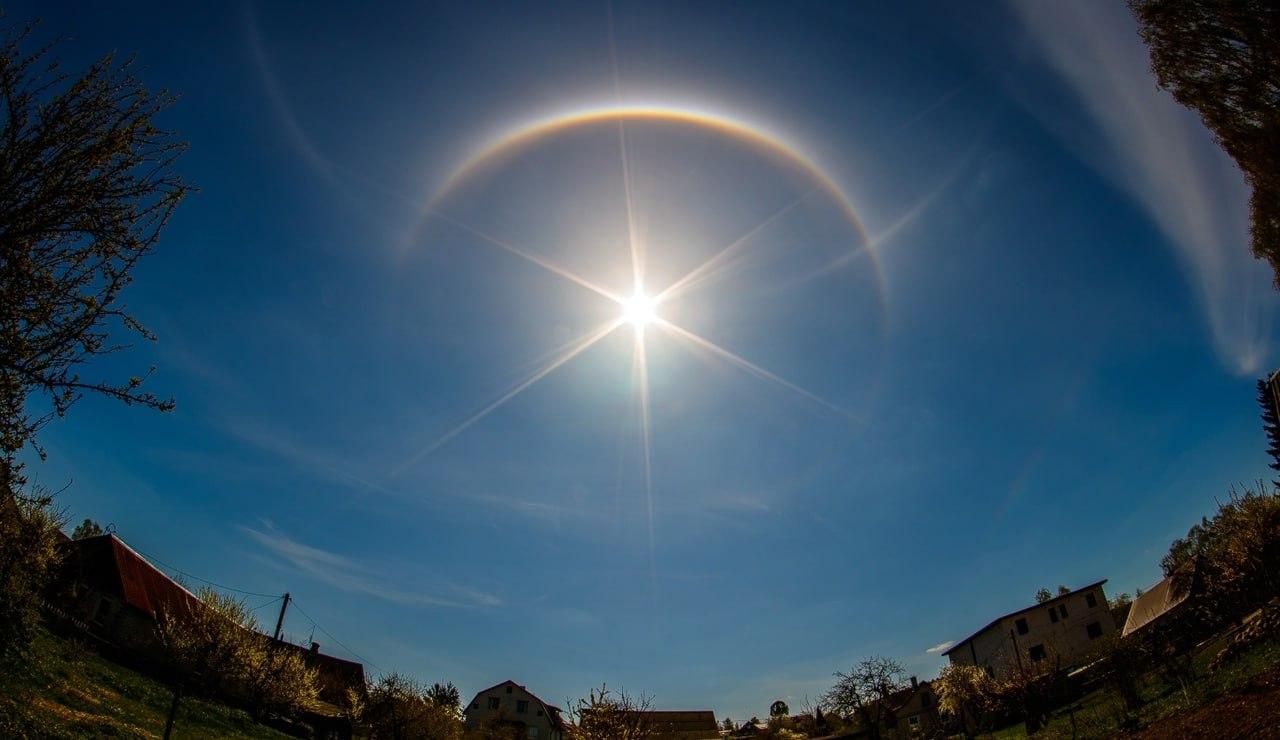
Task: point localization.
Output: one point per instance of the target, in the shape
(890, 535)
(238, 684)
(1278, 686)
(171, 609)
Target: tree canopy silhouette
(86, 186)
(1222, 60)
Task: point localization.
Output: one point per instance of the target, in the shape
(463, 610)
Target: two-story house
(510, 705)
(1063, 629)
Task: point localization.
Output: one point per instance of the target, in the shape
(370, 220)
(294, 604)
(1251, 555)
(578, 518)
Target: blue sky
(1054, 380)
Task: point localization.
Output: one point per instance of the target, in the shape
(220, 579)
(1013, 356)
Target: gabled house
(118, 593)
(1063, 629)
(510, 705)
(911, 711)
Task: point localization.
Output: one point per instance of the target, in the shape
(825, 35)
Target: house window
(539, 712)
(914, 721)
(533, 732)
(1022, 626)
(1053, 614)
(522, 707)
(494, 702)
(508, 689)
(1062, 609)
(1095, 630)
(1036, 653)
(1091, 600)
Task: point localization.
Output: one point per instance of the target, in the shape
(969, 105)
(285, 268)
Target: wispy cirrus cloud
(347, 574)
(1165, 159)
(941, 647)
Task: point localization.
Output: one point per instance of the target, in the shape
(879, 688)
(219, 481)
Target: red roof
(111, 566)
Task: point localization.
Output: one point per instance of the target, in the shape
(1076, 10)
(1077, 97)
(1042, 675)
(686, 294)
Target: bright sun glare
(639, 310)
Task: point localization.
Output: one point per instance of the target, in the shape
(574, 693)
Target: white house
(1063, 629)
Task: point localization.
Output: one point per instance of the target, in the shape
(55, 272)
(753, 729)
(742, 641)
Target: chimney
(315, 648)
(914, 683)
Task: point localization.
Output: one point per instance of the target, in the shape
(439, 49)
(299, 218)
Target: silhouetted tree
(863, 693)
(1222, 60)
(87, 528)
(1119, 607)
(446, 696)
(779, 709)
(605, 714)
(1270, 423)
(1043, 595)
(86, 185)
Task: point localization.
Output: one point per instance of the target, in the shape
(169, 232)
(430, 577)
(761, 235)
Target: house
(1153, 607)
(911, 711)
(1063, 629)
(511, 705)
(118, 595)
(678, 725)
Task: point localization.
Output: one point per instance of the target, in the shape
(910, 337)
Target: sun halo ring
(529, 133)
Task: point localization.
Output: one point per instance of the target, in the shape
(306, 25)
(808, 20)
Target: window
(1036, 653)
(539, 712)
(1053, 614)
(1062, 610)
(522, 707)
(1090, 600)
(508, 689)
(1022, 626)
(533, 732)
(914, 721)
(494, 702)
(1095, 630)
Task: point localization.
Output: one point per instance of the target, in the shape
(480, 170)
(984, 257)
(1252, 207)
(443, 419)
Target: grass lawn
(1098, 714)
(71, 691)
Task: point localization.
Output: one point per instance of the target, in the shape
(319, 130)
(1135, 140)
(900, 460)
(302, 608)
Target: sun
(639, 310)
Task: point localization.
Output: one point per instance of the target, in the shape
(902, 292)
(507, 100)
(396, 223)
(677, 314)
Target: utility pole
(173, 712)
(280, 620)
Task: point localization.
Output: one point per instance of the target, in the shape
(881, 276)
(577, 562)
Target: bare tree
(864, 692)
(605, 714)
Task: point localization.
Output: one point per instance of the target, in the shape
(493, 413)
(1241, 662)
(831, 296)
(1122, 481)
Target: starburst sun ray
(542, 262)
(573, 349)
(748, 366)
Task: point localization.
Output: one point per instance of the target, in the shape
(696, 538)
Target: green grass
(1098, 714)
(68, 690)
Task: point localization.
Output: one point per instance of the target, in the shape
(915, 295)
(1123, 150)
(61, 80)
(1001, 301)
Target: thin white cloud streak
(940, 647)
(1163, 157)
(346, 574)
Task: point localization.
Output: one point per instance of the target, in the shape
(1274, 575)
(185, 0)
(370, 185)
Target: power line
(269, 603)
(326, 633)
(202, 580)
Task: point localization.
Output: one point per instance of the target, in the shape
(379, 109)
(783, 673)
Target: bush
(29, 528)
(215, 649)
(399, 708)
